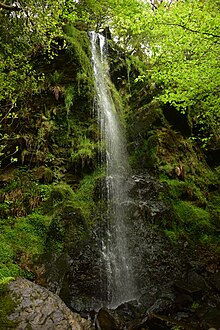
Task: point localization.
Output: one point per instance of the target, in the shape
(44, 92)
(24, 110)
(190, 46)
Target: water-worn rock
(105, 320)
(37, 308)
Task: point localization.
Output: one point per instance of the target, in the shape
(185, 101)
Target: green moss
(62, 195)
(174, 235)
(79, 48)
(191, 215)
(177, 188)
(185, 190)
(151, 150)
(146, 155)
(21, 240)
(196, 212)
(9, 269)
(193, 222)
(7, 306)
(71, 211)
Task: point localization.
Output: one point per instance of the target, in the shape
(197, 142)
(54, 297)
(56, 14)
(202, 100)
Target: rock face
(175, 285)
(156, 263)
(37, 308)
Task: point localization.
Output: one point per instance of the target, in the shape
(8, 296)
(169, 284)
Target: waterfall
(115, 248)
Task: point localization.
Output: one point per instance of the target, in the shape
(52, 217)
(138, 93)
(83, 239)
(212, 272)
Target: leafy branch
(192, 30)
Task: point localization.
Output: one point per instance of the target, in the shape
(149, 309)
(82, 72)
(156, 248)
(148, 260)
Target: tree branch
(10, 8)
(195, 31)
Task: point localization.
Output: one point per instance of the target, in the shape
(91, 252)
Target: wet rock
(105, 320)
(215, 280)
(130, 309)
(148, 299)
(37, 308)
(79, 275)
(182, 315)
(193, 283)
(161, 306)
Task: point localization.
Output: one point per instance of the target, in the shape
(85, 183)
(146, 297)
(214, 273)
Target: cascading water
(115, 251)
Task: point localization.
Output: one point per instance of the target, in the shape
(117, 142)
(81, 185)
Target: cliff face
(49, 151)
(51, 210)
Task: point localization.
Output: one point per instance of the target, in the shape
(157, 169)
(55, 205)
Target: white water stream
(115, 247)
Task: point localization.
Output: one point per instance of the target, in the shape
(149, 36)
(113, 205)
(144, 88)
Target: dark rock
(193, 283)
(130, 309)
(161, 306)
(183, 301)
(53, 268)
(182, 315)
(156, 263)
(215, 280)
(210, 317)
(148, 299)
(105, 320)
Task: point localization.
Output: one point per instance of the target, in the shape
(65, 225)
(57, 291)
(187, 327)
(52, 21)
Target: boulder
(37, 308)
(105, 321)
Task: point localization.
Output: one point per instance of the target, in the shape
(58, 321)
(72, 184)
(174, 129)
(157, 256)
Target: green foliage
(70, 211)
(79, 48)
(174, 235)
(69, 94)
(56, 78)
(21, 195)
(194, 218)
(186, 35)
(62, 196)
(25, 237)
(92, 14)
(195, 305)
(33, 28)
(185, 50)
(85, 152)
(146, 155)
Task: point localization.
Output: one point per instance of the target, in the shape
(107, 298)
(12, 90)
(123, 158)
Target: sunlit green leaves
(186, 65)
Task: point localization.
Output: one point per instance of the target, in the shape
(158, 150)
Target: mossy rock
(7, 305)
(68, 227)
(146, 156)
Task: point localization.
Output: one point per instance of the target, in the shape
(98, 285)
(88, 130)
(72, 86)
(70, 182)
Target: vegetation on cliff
(164, 64)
